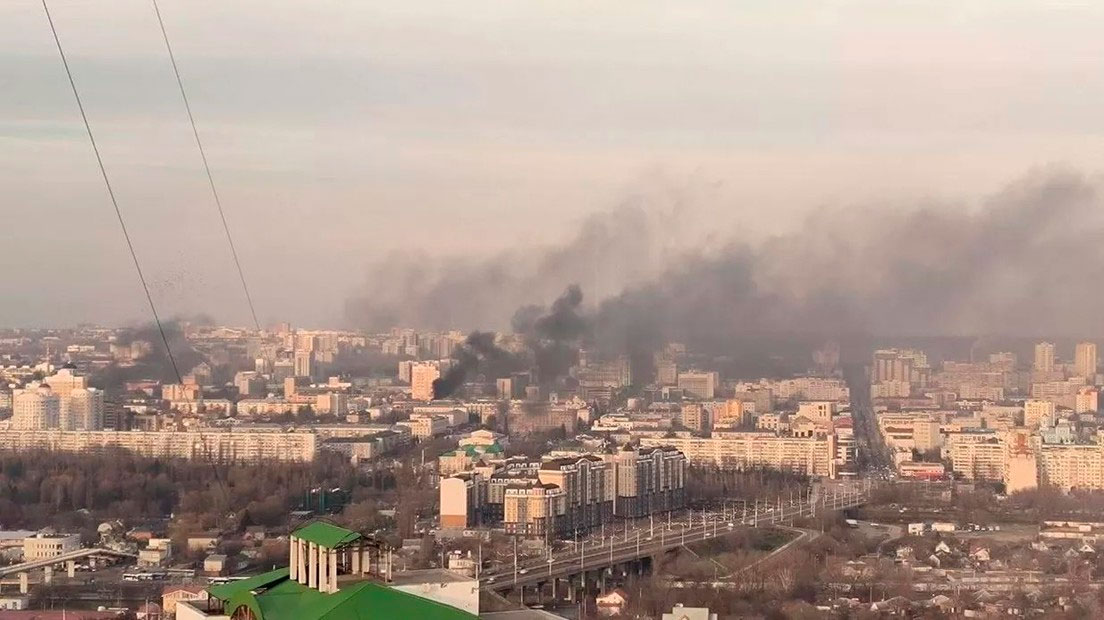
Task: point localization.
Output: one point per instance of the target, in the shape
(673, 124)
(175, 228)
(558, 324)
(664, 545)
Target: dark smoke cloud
(478, 354)
(157, 364)
(553, 337)
(611, 250)
(1028, 260)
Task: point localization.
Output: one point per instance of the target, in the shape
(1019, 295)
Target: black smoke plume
(553, 337)
(1026, 261)
(478, 354)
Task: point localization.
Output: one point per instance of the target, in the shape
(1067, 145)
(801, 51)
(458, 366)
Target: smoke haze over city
(1021, 262)
(483, 142)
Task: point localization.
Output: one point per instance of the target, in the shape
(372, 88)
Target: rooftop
(326, 534)
(273, 596)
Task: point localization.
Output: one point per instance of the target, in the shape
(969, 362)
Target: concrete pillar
(356, 555)
(332, 580)
(71, 568)
(554, 580)
(48, 574)
(24, 583)
(301, 558)
(312, 566)
(323, 569)
(293, 559)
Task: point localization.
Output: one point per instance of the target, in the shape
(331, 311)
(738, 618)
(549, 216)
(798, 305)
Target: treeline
(712, 485)
(63, 489)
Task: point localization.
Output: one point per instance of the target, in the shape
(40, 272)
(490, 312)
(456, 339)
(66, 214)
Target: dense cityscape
(493, 472)
(384, 310)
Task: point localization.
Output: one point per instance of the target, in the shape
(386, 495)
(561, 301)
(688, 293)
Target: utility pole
(515, 559)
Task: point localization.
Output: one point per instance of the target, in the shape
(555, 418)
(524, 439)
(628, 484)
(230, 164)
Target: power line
(111, 193)
(206, 166)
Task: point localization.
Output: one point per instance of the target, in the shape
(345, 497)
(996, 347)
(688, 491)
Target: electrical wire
(111, 193)
(206, 166)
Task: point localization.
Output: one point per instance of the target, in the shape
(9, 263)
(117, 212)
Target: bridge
(69, 559)
(592, 560)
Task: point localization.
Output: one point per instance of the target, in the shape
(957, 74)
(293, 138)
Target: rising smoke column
(479, 353)
(553, 337)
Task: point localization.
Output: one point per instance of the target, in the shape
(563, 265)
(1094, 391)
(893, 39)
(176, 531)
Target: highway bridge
(69, 559)
(592, 560)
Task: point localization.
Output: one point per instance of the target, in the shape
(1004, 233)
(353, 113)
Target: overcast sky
(339, 131)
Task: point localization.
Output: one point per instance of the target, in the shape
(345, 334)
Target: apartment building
(1038, 413)
(984, 459)
(589, 488)
(424, 426)
(214, 445)
(649, 480)
(1072, 466)
(695, 417)
(736, 450)
(536, 509)
(422, 376)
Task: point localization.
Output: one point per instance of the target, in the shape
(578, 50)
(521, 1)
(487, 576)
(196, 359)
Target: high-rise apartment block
(35, 407)
(1084, 361)
(1044, 357)
(422, 376)
(649, 480)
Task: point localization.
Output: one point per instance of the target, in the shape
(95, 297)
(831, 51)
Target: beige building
(214, 445)
(695, 417)
(589, 488)
(535, 509)
(1038, 413)
(984, 459)
(35, 407)
(424, 426)
(83, 410)
(817, 411)
(701, 385)
(1087, 400)
(730, 414)
(422, 376)
(1044, 357)
(1072, 466)
(736, 450)
(461, 499)
(46, 546)
(1084, 361)
(649, 480)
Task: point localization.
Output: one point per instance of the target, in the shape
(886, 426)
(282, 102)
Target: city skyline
(524, 118)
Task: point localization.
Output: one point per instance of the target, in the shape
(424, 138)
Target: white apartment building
(213, 445)
(35, 407)
(738, 450)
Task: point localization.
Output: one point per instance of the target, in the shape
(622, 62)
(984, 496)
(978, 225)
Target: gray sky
(341, 131)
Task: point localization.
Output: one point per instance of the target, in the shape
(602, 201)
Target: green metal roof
(281, 598)
(326, 534)
(227, 591)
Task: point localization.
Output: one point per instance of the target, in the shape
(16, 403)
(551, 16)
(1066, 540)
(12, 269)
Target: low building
(171, 595)
(690, 613)
(215, 564)
(44, 546)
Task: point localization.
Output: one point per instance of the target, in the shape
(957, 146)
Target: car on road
(523, 571)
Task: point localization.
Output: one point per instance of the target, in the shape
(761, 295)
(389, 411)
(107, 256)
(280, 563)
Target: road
(593, 554)
(874, 457)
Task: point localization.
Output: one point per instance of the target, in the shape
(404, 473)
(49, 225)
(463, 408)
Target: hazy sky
(341, 131)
